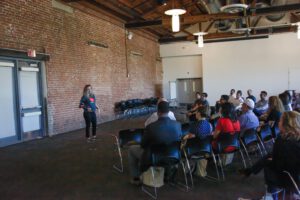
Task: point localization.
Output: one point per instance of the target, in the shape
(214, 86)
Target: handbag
(158, 181)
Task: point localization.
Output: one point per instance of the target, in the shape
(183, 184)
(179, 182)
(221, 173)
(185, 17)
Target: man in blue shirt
(248, 120)
(163, 131)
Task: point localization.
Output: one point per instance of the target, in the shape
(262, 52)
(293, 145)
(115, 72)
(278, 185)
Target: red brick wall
(36, 24)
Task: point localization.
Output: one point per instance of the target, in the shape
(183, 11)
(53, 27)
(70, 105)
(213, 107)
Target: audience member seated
(286, 101)
(272, 116)
(232, 95)
(201, 128)
(224, 98)
(213, 118)
(154, 116)
(199, 102)
(203, 99)
(248, 120)
(250, 96)
(262, 105)
(237, 102)
(228, 123)
(163, 131)
(285, 156)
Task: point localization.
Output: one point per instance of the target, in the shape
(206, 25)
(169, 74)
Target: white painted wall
(262, 64)
(180, 67)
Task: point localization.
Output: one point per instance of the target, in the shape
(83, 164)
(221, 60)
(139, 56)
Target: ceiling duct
(264, 4)
(212, 7)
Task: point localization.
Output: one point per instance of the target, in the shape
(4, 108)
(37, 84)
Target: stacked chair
(135, 107)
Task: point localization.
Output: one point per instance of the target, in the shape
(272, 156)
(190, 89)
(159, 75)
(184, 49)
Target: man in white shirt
(154, 116)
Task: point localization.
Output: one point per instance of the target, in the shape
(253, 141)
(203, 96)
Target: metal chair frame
(247, 141)
(156, 162)
(199, 153)
(124, 137)
(235, 143)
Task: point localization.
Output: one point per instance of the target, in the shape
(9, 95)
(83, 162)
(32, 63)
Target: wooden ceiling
(205, 15)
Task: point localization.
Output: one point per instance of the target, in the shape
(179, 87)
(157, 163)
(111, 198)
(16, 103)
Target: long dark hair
(228, 111)
(85, 89)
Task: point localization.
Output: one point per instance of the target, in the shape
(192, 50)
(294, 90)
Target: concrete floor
(67, 167)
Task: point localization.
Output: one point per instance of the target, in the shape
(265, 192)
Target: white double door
(20, 101)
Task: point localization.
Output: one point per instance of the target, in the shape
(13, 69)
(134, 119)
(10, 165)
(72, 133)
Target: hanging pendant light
(200, 38)
(175, 18)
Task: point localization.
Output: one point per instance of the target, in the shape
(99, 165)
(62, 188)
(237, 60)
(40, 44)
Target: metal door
(187, 88)
(30, 99)
(8, 114)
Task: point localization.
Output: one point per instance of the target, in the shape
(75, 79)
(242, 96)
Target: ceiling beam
(166, 21)
(212, 36)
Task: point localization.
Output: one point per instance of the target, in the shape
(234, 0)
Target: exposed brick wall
(36, 24)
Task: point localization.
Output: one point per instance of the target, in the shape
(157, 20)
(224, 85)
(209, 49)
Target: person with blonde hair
(272, 116)
(285, 156)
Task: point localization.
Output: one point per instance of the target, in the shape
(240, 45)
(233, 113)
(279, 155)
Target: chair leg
(221, 166)
(243, 159)
(215, 161)
(259, 149)
(189, 168)
(262, 145)
(246, 151)
(121, 168)
(154, 196)
(185, 177)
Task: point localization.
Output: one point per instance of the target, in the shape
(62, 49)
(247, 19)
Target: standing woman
(88, 103)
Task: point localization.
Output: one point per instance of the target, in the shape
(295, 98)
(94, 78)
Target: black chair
(293, 182)
(248, 140)
(197, 149)
(185, 129)
(224, 141)
(167, 156)
(275, 131)
(126, 137)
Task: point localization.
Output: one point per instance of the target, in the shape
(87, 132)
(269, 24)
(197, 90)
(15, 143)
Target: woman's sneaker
(89, 140)
(94, 137)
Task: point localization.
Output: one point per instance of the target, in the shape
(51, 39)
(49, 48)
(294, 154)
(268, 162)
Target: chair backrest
(185, 128)
(249, 136)
(165, 154)
(275, 131)
(197, 146)
(226, 140)
(130, 135)
(265, 132)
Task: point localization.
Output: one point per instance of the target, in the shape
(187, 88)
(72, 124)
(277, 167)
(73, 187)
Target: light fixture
(200, 38)
(234, 8)
(175, 18)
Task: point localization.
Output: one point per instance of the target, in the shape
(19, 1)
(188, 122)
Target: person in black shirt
(285, 155)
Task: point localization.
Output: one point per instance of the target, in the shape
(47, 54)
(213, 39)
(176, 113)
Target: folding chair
(197, 149)
(265, 136)
(185, 129)
(164, 155)
(296, 188)
(249, 139)
(124, 138)
(224, 141)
